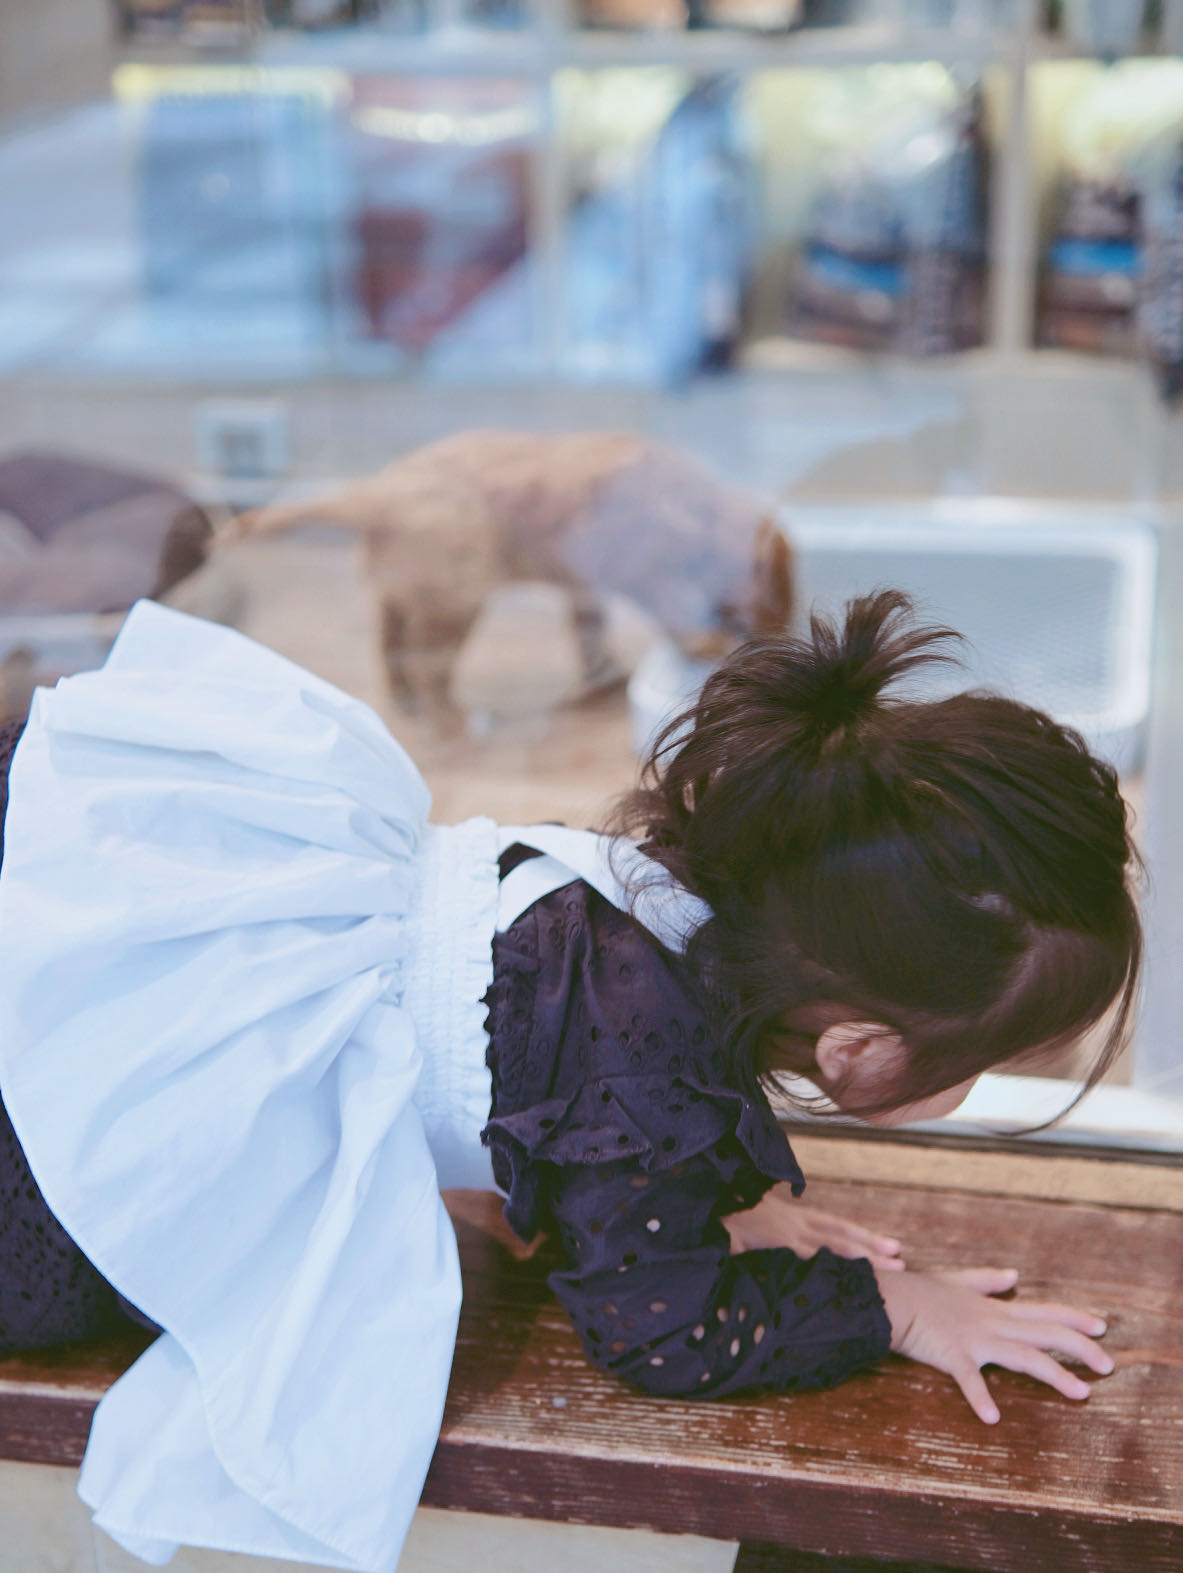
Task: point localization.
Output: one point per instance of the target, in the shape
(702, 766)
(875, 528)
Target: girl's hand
(949, 1320)
(778, 1219)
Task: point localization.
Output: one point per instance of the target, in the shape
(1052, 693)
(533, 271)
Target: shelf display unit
(487, 193)
(592, 190)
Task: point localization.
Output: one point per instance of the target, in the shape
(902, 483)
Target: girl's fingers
(1030, 1361)
(830, 1228)
(985, 1280)
(884, 1245)
(1064, 1315)
(973, 1384)
(855, 1251)
(1065, 1340)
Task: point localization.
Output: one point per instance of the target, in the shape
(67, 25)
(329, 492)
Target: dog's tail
(339, 509)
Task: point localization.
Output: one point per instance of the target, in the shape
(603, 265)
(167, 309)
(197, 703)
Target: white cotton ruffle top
(242, 1044)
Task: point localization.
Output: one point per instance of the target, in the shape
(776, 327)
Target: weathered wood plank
(775, 1559)
(892, 1465)
(47, 1398)
(1104, 1179)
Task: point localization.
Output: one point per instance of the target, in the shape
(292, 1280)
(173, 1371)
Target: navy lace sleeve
(658, 1300)
(49, 1292)
(613, 1128)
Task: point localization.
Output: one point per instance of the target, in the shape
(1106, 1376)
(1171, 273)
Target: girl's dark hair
(956, 869)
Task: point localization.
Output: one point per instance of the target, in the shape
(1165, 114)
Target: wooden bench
(890, 1469)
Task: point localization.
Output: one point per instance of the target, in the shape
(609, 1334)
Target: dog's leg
(771, 603)
(392, 637)
(591, 625)
(422, 629)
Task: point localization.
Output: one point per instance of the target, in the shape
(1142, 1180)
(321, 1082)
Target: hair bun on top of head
(957, 868)
(758, 761)
(774, 694)
(835, 678)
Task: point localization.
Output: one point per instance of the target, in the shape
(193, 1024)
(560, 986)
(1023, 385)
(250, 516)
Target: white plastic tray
(1056, 603)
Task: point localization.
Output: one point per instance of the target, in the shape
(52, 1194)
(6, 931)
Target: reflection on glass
(439, 233)
(661, 232)
(1112, 272)
(313, 231)
(255, 223)
(874, 185)
(879, 20)
(846, 207)
(201, 22)
(223, 23)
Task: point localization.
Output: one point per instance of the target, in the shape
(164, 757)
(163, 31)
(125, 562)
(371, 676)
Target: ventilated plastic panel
(1055, 604)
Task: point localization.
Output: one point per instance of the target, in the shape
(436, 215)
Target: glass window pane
(863, 269)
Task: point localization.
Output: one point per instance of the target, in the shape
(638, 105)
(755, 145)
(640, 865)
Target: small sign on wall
(242, 439)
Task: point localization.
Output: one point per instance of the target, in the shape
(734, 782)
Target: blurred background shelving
(500, 193)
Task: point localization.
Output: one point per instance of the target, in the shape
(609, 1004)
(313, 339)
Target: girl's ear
(857, 1061)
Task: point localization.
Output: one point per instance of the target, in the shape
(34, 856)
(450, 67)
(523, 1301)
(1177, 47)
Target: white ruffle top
(242, 1045)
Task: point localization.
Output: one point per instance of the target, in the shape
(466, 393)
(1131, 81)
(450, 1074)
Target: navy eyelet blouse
(612, 1128)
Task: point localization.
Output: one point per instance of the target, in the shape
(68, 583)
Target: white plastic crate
(1056, 603)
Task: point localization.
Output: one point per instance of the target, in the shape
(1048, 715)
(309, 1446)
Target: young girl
(256, 1012)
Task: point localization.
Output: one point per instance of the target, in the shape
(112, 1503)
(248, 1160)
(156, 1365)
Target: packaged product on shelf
(633, 13)
(319, 13)
(660, 234)
(212, 21)
(835, 13)
(442, 172)
(1105, 27)
(1170, 28)
(891, 253)
(496, 13)
(848, 283)
(145, 18)
(765, 16)
(1111, 281)
(944, 207)
(1088, 288)
(1160, 304)
(966, 18)
(761, 16)
(236, 192)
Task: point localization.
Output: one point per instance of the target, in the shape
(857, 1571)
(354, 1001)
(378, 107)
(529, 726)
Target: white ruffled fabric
(242, 1044)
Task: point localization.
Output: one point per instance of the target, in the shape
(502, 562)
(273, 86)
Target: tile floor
(45, 1528)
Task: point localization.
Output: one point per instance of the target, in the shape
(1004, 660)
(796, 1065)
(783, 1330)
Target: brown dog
(598, 513)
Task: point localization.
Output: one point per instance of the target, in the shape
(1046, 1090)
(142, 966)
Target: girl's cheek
(934, 1108)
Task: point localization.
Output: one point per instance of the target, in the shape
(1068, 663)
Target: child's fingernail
(1106, 1368)
(991, 1416)
(1100, 1327)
